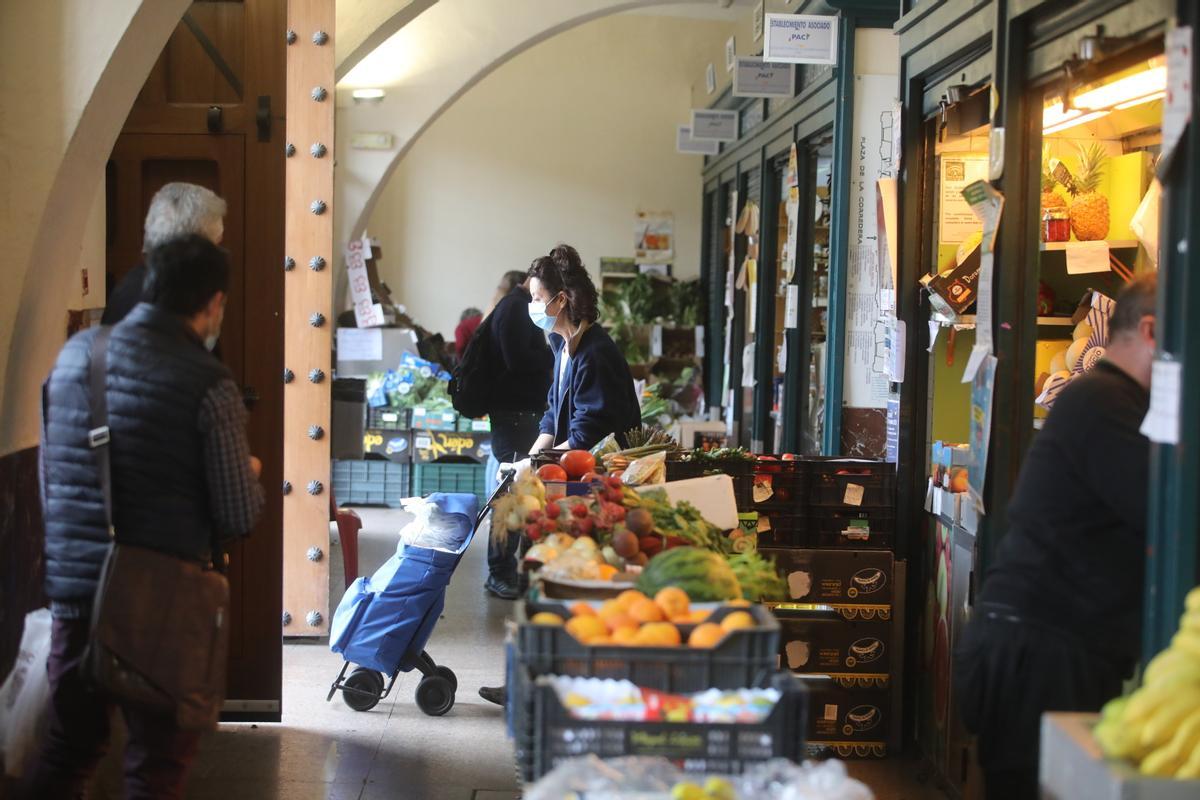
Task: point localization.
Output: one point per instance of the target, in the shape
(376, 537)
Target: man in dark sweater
(1058, 624)
(523, 365)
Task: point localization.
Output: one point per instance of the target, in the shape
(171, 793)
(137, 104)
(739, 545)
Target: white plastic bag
(431, 527)
(25, 695)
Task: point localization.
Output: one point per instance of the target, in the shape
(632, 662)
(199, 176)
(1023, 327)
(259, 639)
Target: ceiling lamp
(1071, 122)
(1133, 87)
(368, 95)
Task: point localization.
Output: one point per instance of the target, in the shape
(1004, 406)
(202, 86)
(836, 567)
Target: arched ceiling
(435, 57)
(364, 25)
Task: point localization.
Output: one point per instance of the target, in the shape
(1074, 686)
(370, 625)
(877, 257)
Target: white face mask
(537, 313)
(210, 341)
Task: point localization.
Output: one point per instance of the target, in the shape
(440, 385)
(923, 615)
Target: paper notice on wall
(897, 333)
(1162, 420)
(887, 222)
(748, 366)
(359, 344)
(367, 314)
(791, 306)
(699, 341)
(1085, 257)
(982, 391)
(956, 220)
(656, 341)
(1177, 110)
(872, 158)
(653, 237)
(988, 206)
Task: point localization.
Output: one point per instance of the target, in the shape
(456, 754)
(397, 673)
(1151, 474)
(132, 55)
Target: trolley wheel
(449, 675)
(365, 689)
(435, 695)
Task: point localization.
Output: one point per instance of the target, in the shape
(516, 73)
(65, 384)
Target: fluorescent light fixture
(1122, 90)
(1150, 98)
(1054, 114)
(1073, 121)
(368, 95)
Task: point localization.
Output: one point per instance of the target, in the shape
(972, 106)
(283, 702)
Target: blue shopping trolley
(383, 622)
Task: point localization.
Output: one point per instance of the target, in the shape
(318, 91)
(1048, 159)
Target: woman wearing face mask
(592, 394)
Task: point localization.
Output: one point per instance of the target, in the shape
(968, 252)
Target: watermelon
(703, 574)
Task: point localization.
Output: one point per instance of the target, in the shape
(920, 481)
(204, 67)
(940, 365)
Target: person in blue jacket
(592, 392)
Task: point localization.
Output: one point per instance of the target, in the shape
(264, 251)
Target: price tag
(854, 495)
(763, 491)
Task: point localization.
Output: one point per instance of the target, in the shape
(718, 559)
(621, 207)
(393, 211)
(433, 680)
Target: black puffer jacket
(158, 375)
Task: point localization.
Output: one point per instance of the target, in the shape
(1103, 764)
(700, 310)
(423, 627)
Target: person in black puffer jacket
(182, 479)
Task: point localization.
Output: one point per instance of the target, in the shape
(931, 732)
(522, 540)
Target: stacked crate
(380, 471)
(830, 525)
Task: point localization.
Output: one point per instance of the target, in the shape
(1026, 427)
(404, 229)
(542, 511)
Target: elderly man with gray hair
(177, 209)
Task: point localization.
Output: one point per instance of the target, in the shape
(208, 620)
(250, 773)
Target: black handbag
(160, 624)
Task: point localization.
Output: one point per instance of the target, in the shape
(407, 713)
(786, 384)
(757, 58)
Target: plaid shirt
(235, 495)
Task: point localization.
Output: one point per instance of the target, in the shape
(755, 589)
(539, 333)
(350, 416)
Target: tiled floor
(326, 750)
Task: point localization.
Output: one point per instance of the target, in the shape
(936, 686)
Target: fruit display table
(1072, 766)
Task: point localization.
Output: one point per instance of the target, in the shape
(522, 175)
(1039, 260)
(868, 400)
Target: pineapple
(1050, 198)
(1089, 208)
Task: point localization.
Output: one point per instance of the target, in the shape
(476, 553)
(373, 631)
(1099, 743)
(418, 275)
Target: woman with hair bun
(592, 394)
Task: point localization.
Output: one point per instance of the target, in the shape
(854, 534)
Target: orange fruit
(699, 615)
(620, 620)
(587, 628)
(740, 603)
(546, 618)
(600, 640)
(707, 634)
(673, 601)
(607, 571)
(624, 634)
(610, 608)
(582, 610)
(658, 634)
(628, 597)
(737, 621)
(646, 610)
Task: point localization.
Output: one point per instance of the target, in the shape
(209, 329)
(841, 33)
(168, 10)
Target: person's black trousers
(1007, 673)
(513, 433)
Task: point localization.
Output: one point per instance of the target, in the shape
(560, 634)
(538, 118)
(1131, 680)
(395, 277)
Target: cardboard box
(823, 645)
(434, 420)
(837, 577)
(393, 343)
(862, 718)
(395, 446)
(430, 446)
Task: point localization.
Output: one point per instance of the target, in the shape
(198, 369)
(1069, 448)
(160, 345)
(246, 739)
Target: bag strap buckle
(98, 437)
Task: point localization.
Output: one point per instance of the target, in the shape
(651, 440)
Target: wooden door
(211, 113)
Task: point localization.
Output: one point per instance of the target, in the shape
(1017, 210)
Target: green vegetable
(703, 574)
(759, 579)
(680, 519)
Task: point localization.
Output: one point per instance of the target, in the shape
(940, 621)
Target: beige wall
(68, 77)
(563, 143)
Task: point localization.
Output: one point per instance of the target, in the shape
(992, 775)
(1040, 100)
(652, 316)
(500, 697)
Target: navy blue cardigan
(599, 397)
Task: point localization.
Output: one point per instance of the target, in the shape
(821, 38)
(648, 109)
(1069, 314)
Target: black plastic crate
(851, 483)
(861, 528)
(554, 736)
(741, 660)
(387, 418)
(780, 486)
(741, 470)
(371, 482)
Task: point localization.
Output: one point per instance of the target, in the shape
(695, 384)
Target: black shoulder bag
(159, 629)
(471, 383)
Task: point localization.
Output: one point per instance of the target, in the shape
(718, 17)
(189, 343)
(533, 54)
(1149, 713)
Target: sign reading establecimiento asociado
(801, 39)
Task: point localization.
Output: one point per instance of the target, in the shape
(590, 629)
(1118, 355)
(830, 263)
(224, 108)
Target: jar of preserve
(1056, 225)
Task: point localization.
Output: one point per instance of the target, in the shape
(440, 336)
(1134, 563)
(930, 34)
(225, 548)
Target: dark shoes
(504, 588)
(494, 694)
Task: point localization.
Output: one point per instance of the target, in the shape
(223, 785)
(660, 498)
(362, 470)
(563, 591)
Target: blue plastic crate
(371, 482)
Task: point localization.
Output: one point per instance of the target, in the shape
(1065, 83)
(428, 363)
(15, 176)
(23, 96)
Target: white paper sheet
(1162, 420)
(1177, 110)
(748, 366)
(360, 344)
(791, 306)
(1086, 257)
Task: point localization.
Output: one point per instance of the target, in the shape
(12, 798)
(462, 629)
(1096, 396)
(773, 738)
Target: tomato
(591, 477)
(577, 463)
(551, 472)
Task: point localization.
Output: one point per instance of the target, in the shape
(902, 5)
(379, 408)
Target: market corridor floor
(327, 751)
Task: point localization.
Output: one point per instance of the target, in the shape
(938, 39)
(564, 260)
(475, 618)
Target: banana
(1161, 726)
(1190, 768)
(1187, 737)
(1146, 700)
(1188, 641)
(1114, 709)
(1190, 621)
(1162, 763)
(1192, 601)
(1167, 662)
(1115, 739)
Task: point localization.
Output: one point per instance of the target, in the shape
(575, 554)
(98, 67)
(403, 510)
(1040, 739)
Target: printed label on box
(831, 712)
(763, 491)
(423, 442)
(854, 495)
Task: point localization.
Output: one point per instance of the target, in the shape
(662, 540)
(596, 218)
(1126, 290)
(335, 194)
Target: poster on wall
(872, 158)
(685, 143)
(366, 313)
(754, 77)
(653, 237)
(982, 392)
(712, 124)
(956, 220)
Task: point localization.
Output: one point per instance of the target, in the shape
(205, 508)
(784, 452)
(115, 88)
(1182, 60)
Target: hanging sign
(1161, 423)
(756, 77)
(686, 143)
(987, 204)
(801, 38)
(792, 177)
(1177, 111)
(791, 307)
(758, 20)
(719, 125)
(982, 391)
(710, 79)
(730, 54)
(366, 313)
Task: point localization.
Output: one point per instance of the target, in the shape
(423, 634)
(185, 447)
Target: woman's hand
(544, 442)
